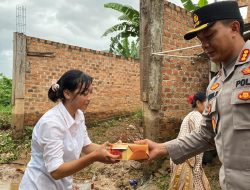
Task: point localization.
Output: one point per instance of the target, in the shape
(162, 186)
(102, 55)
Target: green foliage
(126, 48)
(5, 109)
(128, 28)
(5, 90)
(28, 132)
(202, 3)
(5, 121)
(137, 114)
(113, 121)
(10, 149)
(190, 6)
(163, 182)
(7, 147)
(5, 117)
(105, 124)
(5, 102)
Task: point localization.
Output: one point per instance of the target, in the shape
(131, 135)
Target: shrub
(11, 149)
(5, 117)
(5, 90)
(5, 102)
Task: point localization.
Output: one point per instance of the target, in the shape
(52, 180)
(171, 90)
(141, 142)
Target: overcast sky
(75, 22)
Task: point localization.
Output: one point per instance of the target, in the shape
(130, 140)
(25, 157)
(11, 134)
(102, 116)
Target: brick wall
(181, 77)
(116, 79)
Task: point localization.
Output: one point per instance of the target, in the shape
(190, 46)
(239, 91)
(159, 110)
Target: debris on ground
(124, 175)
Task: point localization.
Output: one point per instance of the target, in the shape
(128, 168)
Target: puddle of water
(9, 186)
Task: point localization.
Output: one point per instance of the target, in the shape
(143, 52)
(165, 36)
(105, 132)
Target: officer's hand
(156, 150)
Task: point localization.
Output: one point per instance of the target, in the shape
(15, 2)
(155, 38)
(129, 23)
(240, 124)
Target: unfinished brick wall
(181, 77)
(116, 79)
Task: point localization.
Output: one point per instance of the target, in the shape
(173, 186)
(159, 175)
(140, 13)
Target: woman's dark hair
(70, 80)
(200, 96)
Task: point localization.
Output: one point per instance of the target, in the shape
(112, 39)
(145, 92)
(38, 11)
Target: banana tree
(128, 28)
(190, 6)
(127, 49)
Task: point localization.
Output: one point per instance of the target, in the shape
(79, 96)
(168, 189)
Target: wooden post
(18, 78)
(151, 34)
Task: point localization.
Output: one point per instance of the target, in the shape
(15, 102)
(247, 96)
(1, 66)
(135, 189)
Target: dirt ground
(111, 177)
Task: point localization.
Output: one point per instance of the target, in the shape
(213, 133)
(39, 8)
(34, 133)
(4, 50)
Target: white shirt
(56, 138)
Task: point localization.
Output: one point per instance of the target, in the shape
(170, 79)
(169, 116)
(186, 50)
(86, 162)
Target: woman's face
(81, 101)
(200, 106)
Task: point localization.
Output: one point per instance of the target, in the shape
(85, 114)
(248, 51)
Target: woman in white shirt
(60, 136)
(190, 174)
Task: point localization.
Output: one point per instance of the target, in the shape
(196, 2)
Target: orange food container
(130, 151)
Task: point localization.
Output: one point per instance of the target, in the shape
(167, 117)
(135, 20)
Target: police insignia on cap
(215, 86)
(244, 55)
(196, 20)
(246, 71)
(206, 16)
(245, 95)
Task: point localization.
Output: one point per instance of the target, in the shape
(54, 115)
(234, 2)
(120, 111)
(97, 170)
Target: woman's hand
(104, 156)
(97, 153)
(156, 150)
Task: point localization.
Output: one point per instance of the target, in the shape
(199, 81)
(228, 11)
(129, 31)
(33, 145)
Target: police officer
(226, 119)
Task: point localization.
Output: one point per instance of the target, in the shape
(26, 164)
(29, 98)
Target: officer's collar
(229, 66)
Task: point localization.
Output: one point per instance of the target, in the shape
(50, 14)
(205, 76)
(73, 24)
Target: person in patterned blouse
(190, 174)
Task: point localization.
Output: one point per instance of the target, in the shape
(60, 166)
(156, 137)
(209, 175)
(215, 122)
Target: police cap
(206, 16)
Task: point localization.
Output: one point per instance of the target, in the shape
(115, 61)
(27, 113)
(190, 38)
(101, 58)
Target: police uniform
(226, 119)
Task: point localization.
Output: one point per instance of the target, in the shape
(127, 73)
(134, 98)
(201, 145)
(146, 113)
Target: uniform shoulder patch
(244, 95)
(215, 86)
(244, 55)
(246, 71)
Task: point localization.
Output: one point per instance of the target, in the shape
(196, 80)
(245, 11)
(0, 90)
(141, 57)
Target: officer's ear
(235, 26)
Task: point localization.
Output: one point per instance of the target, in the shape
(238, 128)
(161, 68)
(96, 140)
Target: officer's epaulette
(244, 56)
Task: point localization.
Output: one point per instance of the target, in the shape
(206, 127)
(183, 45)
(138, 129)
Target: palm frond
(120, 44)
(130, 12)
(115, 28)
(123, 17)
(124, 28)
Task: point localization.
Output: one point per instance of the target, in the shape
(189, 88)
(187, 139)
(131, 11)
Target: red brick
(116, 80)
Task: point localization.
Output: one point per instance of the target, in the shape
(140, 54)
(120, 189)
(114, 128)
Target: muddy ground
(111, 177)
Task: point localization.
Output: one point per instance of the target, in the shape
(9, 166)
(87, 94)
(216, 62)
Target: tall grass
(5, 117)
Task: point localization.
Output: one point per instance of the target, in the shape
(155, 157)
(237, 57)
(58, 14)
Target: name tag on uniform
(242, 82)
